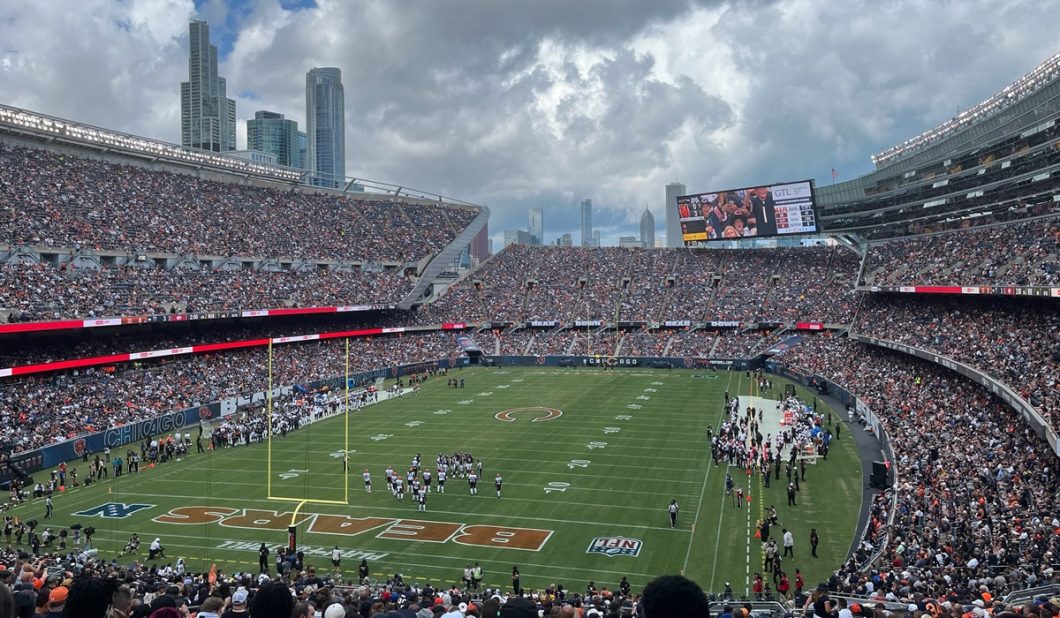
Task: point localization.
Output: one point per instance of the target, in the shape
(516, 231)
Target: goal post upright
(268, 425)
(346, 425)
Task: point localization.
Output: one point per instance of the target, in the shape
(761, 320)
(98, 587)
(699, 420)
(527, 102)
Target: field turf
(627, 443)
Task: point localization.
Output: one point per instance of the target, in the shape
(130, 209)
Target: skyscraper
(325, 121)
(537, 226)
(207, 115)
(673, 221)
(272, 133)
(587, 222)
(647, 229)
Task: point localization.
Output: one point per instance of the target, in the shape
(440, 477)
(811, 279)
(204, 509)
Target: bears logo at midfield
(615, 546)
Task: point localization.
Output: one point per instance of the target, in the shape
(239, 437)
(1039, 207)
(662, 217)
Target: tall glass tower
(272, 133)
(587, 222)
(325, 127)
(207, 115)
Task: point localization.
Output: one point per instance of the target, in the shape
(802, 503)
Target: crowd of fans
(1017, 341)
(81, 586)
(1019, 253)
(36, 411)
(39, 292)
(57, 200)
(976, 489)
(524, 283)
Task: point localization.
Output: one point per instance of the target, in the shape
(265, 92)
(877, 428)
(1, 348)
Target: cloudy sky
(520, 103)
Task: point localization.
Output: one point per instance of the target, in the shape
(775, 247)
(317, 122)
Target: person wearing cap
(57, 601)
(238, 608)
(335, 610)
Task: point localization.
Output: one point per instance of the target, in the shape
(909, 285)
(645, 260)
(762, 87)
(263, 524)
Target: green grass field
(627, 443)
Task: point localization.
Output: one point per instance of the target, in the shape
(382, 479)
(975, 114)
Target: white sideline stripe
(721, 510)
(460, 513)
(550, 567)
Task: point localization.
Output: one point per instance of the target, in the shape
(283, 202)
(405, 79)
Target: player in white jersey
(441, 480)
(472, 483)
(399, 488)
(427, 479)
(497, 481)
(367, 481)
(390, 478)
(421, 498)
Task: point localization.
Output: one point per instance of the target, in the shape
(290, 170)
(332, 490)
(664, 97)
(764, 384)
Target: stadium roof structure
(1042, 75)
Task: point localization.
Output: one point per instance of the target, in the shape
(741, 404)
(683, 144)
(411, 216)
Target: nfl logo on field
(615, 546)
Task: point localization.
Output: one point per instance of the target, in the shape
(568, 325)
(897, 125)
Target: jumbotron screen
(751, 212)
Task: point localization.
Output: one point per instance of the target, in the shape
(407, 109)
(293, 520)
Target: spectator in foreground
(674, 596)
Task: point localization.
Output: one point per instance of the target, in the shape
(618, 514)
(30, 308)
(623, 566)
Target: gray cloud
(540, 103)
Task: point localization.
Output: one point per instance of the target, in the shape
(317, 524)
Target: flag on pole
(835, 174)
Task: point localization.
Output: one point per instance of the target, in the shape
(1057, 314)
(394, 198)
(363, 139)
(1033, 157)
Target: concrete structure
(480, 249)
(629, 242)
(673, 221)
(325, 109)
(565, 240)
(207, 115)
(256, 156)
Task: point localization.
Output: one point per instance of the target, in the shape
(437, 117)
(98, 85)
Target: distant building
(596, 239)
(516, 237)
(480, 249)
(303, 149)
(256, 156)
(272, 133)
(565, 240)
(629, 242)
(647, 229)
(587, 222)
(207, 115)
(673, 221)
(537, 226)
(325, 120)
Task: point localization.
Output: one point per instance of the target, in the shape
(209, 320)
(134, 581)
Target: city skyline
(527, 108)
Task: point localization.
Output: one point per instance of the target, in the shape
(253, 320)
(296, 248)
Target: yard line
(699, 507)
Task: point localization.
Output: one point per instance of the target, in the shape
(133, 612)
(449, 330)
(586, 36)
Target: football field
(590, 460)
